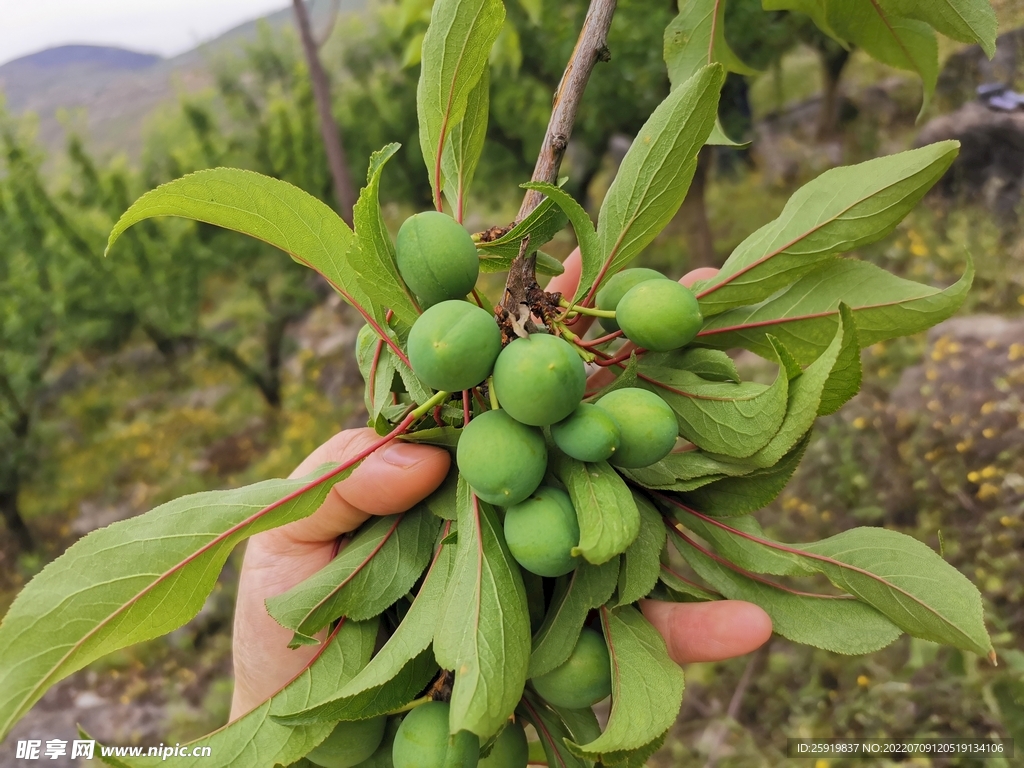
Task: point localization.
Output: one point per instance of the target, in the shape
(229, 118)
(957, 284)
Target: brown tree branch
(332, 20)
(343, 189)
(591, 47)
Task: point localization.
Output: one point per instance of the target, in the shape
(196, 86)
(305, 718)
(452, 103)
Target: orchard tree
(583, 457)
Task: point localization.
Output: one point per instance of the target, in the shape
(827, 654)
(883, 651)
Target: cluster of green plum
(536, 386)
(421, 738)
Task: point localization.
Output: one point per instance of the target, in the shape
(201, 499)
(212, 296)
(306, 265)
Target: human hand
(693, 631)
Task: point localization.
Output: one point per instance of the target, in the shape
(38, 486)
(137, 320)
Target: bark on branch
(343, 189)
(591, 47)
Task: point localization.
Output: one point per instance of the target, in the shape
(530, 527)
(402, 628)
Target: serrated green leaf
(683, 586)
(256, 740)
(689, 45)
(372, 260)
(135, 580)
(634, 758)
(378, 365)
(483, 631)
(454, 55)
(607, 514)
(400, 654)
(902, 578)
(640, 562)
(836, 623)
(267, 209)
(735, 496)
(899, 42)
(969, 21)
(678, 470)
(843, 209)
(586, 235)
(588, 587)
(541, 224)
(805, 315)
(844, 380)
(465, 145)
(553, 733)
(653, 177)
(647, 686)
(710, 364)
(731, 419)
(374, 570)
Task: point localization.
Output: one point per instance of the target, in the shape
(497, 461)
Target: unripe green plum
(436, 258)
(502, 459)
(539, 379)
(659, 315)
(617, 285)
(646, 423)
(584, 679)
(350, 743)
(542, 531)
(453, 345)
(382, 757)
(587, 434)
(423, 741)
(510, 749)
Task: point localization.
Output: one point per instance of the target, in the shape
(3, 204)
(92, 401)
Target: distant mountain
(118, 89)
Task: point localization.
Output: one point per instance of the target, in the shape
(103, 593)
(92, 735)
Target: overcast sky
(166, 27)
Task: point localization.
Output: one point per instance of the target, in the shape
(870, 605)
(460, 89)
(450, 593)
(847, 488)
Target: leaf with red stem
(902, 578)
(374, 570)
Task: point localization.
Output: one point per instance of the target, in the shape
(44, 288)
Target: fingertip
(395, 478)
(567, 281)
(696, 275)
(712, 631)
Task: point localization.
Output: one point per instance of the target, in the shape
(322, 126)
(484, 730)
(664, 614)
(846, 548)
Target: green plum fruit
(502, 459)
(646, 423)
(436, 258)
(510, 749)
(382, 757)
(542, 531)
(453, 345)
(539, 379)
(659, 315)
(583, 679)
(587, 434)
(423, 741)
(617, 285)
(350, 743)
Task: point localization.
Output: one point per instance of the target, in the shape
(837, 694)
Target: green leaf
(454, 57)
(841, 210)
(375, 569)
(553, 733)
(678, 470)
(685, 587)
(378, 366)
(647, 686)
(731, 419)
(844, 380)
(905, 580)
(465, 145)
(586, 236)
(640, 563)
(836, 623)
(483, 631)
(816, 9)
(256, 739)
(893, 40)
(710, 364)
(805, 315)
(653, 177)
(268, 209)
(634, 758)
(969, 21)
(608, 517)
(587, 588)
(136, 580)
(688, 41)
(548, 265)
(735, 496)
(373, 257)
(400, 654)
(541, 224)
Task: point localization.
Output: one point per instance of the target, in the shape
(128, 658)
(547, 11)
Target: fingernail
(403, 455)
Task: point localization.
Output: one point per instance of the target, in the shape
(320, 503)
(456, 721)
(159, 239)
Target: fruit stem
(491, 394)
(581, 310)
(412, 705)
(577, 343)
(436, 400)
(600, 340)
